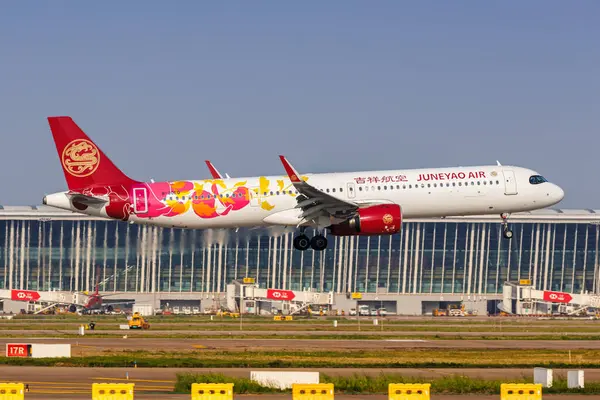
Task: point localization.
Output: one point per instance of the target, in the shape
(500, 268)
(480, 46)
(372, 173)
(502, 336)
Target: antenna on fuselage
(151, 180)
(498, 162)
(227, 175)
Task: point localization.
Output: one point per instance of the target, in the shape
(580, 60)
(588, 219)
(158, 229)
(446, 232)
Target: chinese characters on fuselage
(440, 176)
(381, 179)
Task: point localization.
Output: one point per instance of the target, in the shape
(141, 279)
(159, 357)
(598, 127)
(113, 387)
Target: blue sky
(335, 86)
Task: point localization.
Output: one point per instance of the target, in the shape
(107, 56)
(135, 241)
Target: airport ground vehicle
(363, 310)
(138, 322)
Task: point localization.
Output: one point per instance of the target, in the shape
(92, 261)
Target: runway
(135, 343)
(235, 330)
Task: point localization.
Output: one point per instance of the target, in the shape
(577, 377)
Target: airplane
(95, 301)
(350, 203)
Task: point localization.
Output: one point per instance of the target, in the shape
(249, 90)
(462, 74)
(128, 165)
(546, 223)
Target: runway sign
(18, 350)
(45, 350)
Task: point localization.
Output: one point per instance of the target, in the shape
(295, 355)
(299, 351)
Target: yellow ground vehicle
(138, 322)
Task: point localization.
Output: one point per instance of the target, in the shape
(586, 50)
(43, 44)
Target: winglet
(213, 171)
(291, 171)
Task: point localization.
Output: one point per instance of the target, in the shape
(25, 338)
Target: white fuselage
(432, 192)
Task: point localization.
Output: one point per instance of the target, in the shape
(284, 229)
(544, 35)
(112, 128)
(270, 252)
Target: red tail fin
(83, 163)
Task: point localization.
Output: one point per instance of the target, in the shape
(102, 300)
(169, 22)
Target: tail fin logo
(80, 158)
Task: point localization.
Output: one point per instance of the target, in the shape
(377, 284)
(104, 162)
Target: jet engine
(384, 219)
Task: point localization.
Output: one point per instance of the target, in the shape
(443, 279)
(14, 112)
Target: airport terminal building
(43, 248)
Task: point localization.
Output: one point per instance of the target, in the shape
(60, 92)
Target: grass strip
(406, 358)
(366, 384)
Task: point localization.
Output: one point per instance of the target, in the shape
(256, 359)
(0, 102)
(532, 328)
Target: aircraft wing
(315, 203)
(118, 303)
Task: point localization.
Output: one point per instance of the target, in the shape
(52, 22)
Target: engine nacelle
(384, 219)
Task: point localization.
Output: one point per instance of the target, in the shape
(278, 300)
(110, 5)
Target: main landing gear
(302, 242)
(506, 232)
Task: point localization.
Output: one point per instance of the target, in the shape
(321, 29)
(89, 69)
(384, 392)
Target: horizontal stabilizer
(87, 200)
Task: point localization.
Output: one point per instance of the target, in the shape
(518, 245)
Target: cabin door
(254, 194)
(140, 196)
(510, 182)
(351, 190)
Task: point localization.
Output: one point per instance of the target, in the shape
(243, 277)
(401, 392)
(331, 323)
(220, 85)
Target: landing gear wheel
(301, 242)
(318, 243)
(507, 233)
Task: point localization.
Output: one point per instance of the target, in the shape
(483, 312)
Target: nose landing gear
(302, 242)
(506, 232)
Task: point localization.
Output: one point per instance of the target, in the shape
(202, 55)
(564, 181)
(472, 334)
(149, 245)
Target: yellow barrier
(520, 391)
(12, 391)
(277, 318)
(212, 391)
(112, 391)
(289, 318)
(408, 391)
(312, 391)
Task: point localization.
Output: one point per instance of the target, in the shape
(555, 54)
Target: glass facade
(467, 257)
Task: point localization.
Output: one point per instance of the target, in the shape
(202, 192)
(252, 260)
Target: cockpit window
(537, 179)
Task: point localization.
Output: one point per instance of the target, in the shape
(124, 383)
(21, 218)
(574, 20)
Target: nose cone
(555, 194)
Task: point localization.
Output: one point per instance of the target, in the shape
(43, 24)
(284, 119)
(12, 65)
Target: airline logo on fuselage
(448, 176)
(381, 179)
(388, 219)
(80, 158)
